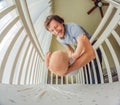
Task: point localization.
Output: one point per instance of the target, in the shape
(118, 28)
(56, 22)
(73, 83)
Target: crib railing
(22, 59)
(109, 42)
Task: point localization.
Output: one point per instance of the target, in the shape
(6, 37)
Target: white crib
(24, 79)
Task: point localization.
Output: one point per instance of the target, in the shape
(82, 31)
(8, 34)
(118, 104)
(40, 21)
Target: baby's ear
(50, 69)
(47, 58)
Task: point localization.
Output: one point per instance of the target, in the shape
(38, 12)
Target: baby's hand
(70, 53)
(47, 57)
(73, 56)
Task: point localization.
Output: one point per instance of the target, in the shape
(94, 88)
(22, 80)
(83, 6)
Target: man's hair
(52, 17)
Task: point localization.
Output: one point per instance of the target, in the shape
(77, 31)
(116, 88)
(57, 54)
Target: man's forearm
(74, 66)
(81, 61)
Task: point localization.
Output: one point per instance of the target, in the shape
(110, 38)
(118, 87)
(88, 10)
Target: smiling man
(69, 34)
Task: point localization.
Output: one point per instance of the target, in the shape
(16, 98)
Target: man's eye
(55, 27)
(52, 31)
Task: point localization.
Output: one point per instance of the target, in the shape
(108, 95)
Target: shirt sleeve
(76, 30)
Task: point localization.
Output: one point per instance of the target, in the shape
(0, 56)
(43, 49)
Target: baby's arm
(80, 47)
(86, 57)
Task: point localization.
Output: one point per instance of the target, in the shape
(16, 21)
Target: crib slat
(116, 36)
(115, 58)
(61, 79)
(90, 76)
(94, 71)
(107, 32)
(66, 79)
(82, 76)
(5, 31)
(86, 75)
(56, 79)
(100, 68)
(102, 23)
(51, 81)
(107, 64)
(6, 11)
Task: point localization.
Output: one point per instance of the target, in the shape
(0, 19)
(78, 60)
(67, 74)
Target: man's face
(56, 28)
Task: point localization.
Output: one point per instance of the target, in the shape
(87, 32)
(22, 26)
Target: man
(68, 34)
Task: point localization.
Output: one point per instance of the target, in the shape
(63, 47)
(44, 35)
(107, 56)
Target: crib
(24, 78)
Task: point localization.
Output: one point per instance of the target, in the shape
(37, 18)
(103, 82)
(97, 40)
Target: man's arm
(80, 62)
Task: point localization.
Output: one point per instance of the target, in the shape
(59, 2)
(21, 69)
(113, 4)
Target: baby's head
(59, 61)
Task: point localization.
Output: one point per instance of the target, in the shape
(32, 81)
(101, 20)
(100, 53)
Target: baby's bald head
(59, 60)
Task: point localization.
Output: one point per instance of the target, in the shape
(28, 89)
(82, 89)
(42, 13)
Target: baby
(58, 62)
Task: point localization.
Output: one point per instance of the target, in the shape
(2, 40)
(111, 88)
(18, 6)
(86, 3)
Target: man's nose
(55, 32)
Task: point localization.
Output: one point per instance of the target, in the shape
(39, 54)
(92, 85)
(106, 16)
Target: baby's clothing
(71, 60)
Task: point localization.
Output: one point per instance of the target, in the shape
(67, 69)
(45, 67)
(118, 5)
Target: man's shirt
(72, 31)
